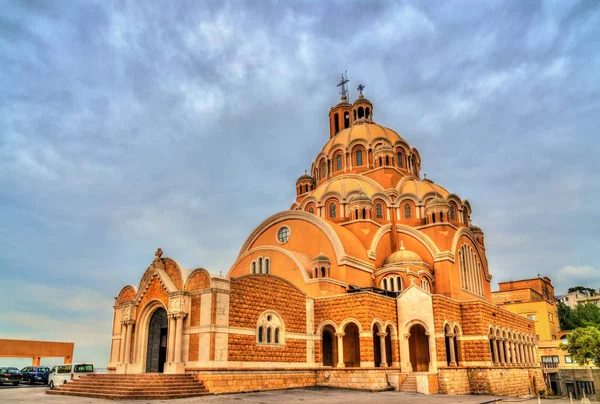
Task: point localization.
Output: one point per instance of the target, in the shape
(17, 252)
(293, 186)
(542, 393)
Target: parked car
(35, 374)
(69, 371)
(10, 375)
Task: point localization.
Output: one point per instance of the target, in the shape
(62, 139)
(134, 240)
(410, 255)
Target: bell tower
(340, 115)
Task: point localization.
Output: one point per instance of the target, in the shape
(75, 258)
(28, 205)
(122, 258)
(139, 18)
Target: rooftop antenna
(344, 84)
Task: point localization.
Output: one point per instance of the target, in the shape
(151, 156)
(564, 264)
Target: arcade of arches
(374, 276)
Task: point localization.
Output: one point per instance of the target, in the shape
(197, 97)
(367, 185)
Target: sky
(126, 126)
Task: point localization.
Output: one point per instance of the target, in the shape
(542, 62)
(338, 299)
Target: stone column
(171, 344)
(340, 349)
(451, 337)
(127, 358)
(513, 353)
(522, 351)
(501, 349)
(178, 336)
(382, 348)
(395, 351)
(508, 352)
(495, 356)
(122, 343)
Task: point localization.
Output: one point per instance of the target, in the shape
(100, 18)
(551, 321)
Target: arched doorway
(327, 347)
(418, 345)
(351, 346)
(376, 346)
(388, 345)
(156, 355)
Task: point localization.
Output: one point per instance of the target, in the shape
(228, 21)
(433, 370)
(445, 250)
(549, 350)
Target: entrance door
(327, 348)
(418, 345)
(157, 342)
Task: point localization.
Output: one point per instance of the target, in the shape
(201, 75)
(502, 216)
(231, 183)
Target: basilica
(375, 278)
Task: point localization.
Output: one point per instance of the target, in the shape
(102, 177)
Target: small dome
(403, 256)
(383, 147)
(438, 200)
(321, 258)
(475, 229)
(305, 177)
(362, 100)
(360, 197)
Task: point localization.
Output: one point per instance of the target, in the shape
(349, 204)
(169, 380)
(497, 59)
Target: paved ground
(37, 394)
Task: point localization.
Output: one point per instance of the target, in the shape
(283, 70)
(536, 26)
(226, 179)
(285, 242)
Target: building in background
(572, 299)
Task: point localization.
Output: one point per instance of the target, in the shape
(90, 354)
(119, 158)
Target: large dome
(403, 256)
(368, 132)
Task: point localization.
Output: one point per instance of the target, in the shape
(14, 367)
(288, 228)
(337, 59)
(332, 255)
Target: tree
(565, 317)
(583, 345)
(586, 315)
(582, 289)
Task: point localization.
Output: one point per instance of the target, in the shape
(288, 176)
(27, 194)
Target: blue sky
(127, 126)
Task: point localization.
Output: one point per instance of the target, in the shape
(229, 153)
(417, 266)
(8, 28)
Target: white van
(69, 371)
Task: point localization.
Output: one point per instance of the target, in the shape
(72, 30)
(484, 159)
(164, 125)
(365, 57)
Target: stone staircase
(131, 387)
(409, 385)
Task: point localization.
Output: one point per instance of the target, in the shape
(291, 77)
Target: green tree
(583, 345)
(565, 317)
(586, 315)
(582, 289)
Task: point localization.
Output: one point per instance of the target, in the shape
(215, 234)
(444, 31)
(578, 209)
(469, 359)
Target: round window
(283, 234)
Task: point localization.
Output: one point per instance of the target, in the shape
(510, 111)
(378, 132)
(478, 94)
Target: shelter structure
(36, 350)
(374, 278)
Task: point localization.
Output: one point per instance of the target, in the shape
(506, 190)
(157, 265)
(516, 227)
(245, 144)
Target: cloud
(130, 126)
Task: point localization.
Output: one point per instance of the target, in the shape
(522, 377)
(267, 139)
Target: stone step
(91, 385)
(129, 392)
(110, 396)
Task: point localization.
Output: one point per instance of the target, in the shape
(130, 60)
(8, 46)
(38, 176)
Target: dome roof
(348, 184)
(420, 188)
(403, 256)
(321, 258)
(360, 197)
(475, 229)
(362, 100)
(305, 176)
(366, 131)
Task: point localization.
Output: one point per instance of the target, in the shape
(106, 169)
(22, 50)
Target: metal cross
(360, 88)
(343, 83)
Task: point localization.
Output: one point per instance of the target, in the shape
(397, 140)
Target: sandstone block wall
(363, 306)
(250, 296)
(245, 381)
(506, 382)
(353, 378)
(454, 381)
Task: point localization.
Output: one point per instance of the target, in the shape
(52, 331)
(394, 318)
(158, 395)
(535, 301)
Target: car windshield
(43, 369)
(14, 371)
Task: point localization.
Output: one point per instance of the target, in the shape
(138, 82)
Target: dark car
(35, 374)
(10, 375)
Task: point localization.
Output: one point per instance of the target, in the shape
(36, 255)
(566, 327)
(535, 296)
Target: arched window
(332, 209)
(399, 284)
(311, 210)
(407, 211)
(346, 120)
(260, 265)
(267, 266)
(253, 267)
(338, 162)
(387, 160)
(368, 113)
(380, 162)
(425, 285)
(323, 170)
(441, 216)
(384, 283)
(364, 213)
(355, 115)
(322, 272)
(400, 159)
(470, 270)
(379, 211)
(452, 213)
(361, 112)
(337, 122)
(433, 217)
(270, 329)
(359, 158)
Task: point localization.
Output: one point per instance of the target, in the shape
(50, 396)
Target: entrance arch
(351, 342)
(156, 353)
(327, 346)
(418, 346)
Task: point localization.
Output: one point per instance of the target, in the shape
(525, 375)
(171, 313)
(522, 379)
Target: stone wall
(353, 378)
(363, 306)
(454, 381)
(516, 382)
(250, 296)
(231, 381)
